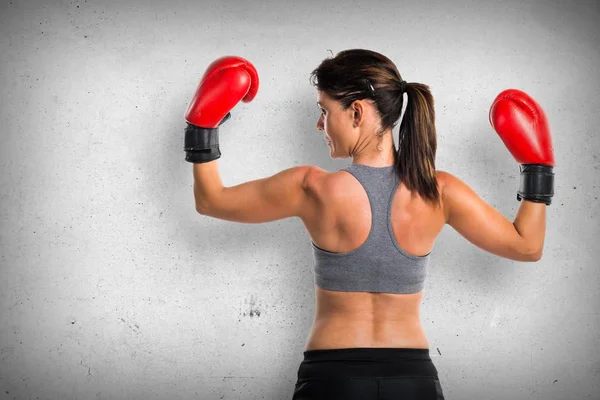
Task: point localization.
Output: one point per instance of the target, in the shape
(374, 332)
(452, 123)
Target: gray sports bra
(379, 265)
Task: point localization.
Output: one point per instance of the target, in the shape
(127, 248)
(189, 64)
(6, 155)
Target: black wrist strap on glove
(537, 183)
(201, 145)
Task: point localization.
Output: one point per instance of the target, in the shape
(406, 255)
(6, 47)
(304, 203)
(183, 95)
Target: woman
(373, 224)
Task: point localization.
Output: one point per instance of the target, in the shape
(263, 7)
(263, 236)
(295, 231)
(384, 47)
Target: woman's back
(339, 221)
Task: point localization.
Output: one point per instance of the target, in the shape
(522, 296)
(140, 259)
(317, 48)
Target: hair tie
(403, 86)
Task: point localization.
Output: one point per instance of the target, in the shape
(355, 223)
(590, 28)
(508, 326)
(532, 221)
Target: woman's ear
(357, 113)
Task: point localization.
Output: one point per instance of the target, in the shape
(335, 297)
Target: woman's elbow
(535, 255)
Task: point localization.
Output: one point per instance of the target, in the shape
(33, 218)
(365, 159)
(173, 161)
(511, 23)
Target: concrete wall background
(112, 287)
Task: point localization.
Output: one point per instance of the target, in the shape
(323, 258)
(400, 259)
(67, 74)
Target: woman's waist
(369, 324)
(335, 333)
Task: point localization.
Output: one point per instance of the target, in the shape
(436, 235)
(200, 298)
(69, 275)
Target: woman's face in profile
(331, 121)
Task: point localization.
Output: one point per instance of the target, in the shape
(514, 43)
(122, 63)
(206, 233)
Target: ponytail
(415, 158)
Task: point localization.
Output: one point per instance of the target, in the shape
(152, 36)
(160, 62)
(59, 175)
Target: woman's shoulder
(318, 178)
(447, 180)
(322, 182)
(443, 177)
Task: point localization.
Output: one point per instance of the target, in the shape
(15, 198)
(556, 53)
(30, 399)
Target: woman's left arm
(282, 195)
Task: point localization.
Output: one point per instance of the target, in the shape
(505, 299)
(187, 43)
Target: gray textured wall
(113, 287)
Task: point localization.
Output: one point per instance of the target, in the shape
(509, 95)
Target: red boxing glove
(225, 82)
(523, 127)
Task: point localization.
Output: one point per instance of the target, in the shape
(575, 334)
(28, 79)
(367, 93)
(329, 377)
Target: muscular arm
(488, 229)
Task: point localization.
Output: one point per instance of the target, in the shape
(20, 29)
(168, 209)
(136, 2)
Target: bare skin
(339, 221)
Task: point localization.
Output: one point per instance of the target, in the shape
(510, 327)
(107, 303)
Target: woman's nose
(320, 123)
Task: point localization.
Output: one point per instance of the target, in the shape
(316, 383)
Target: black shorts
(368, 373)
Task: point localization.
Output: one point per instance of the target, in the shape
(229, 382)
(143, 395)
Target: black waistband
(366, 362)
(367, 353)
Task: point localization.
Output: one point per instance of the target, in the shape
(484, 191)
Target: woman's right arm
(487, 228)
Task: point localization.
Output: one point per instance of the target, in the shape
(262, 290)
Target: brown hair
(363, 74)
